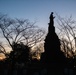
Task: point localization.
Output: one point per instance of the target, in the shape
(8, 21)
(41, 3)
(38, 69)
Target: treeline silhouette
(52, 62)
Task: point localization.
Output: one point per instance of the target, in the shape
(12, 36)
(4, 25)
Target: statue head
(52, 13)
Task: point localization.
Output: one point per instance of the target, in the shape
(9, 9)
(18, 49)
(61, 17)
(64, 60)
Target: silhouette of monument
(52, 53)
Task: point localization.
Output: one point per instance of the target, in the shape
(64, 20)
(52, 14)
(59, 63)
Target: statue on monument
(51, 17)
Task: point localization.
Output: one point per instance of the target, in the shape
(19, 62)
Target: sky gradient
(38, 10)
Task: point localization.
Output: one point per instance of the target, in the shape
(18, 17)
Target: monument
(53, 54)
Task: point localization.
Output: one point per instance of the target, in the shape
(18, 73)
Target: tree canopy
(19, 30)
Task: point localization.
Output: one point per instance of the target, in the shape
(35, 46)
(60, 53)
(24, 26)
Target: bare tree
(18, 30)
(2, 49)
(67, 34)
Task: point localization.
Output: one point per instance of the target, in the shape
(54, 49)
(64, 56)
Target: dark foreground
(35, 69)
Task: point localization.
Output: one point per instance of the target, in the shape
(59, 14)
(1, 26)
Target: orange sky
(2, 56)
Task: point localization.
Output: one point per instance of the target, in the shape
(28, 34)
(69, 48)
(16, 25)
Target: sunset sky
(38, 10)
